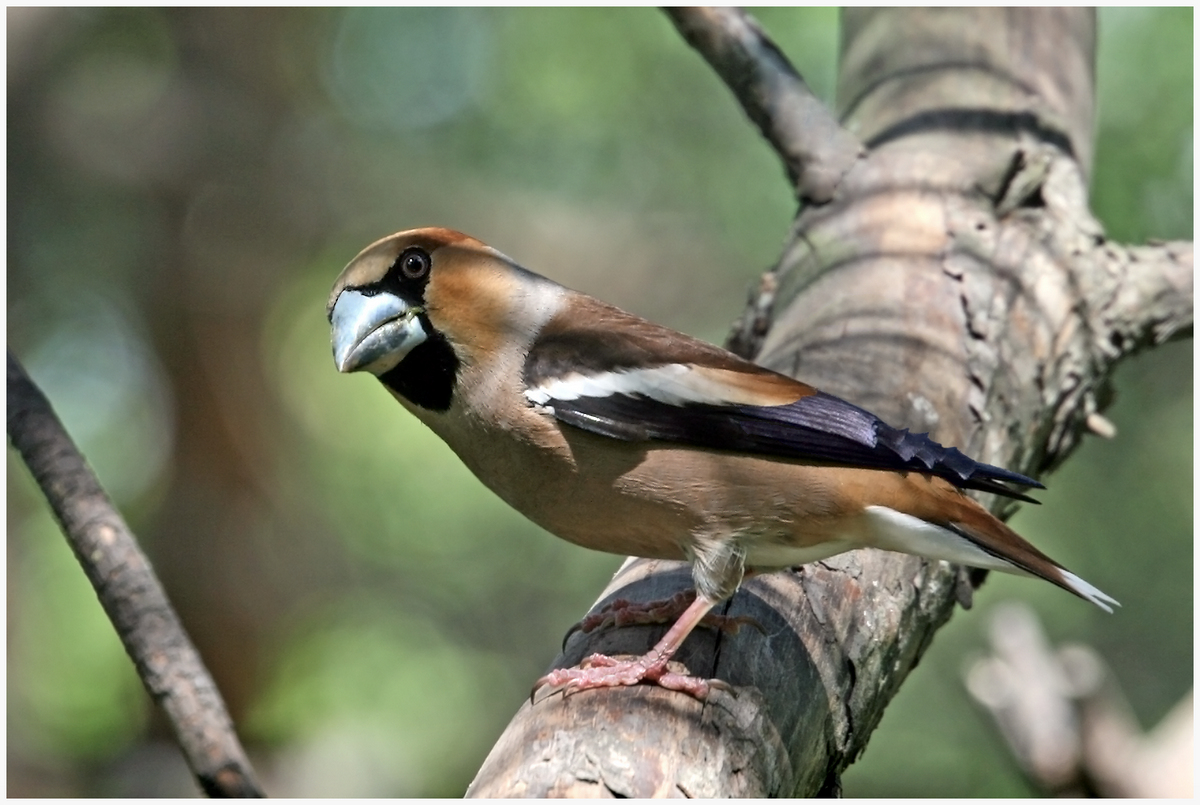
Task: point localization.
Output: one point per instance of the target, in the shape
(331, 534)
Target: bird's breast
(582, 488)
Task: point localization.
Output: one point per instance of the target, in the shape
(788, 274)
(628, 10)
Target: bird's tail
(959, 530)
(994, 537)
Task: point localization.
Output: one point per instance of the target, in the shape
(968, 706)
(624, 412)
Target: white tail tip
(1105, 602)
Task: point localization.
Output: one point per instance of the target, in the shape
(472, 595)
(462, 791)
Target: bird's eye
(414, 263)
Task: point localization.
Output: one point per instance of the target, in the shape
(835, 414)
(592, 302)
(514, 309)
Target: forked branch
(815, 149)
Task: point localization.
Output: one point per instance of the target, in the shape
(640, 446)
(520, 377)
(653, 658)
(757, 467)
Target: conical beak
(373, 333)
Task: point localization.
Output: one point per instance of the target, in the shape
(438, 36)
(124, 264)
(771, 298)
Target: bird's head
(416, 307)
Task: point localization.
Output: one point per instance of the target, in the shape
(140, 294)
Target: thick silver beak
(373, 333)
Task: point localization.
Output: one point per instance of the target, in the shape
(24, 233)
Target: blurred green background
(183, 187)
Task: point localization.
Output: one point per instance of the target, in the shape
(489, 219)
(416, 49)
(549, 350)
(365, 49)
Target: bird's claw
(602, 671)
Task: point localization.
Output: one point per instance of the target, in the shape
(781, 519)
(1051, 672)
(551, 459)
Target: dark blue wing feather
(819, 427)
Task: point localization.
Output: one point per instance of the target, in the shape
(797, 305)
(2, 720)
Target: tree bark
(132, 597)
(956, 283)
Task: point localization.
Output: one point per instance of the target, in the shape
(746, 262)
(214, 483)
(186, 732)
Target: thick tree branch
(132, 597)
(815, 149)
(949, 286)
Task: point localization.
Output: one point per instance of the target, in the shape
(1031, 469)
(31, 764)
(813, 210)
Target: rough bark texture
(955, 283)
(135, 602)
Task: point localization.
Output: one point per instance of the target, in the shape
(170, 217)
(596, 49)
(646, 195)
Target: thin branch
(130, 593)
(1030, 695)
(815, 149)
(1066, 721)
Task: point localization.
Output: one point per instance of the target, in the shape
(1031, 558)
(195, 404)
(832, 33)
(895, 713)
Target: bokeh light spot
(408, 68)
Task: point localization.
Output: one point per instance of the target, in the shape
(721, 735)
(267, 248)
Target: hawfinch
(623, 436)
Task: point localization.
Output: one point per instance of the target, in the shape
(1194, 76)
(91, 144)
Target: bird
(624, 436)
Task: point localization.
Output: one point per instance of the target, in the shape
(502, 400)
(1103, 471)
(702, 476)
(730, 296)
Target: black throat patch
(427, 375)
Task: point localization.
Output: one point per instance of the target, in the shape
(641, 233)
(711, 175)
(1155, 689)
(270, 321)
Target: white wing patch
(673, 384)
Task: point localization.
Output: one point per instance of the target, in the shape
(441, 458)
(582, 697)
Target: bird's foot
(601, 671)
(623, 612)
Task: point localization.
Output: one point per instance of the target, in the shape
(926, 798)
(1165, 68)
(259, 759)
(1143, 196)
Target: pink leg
(599, 671)
(623, 612)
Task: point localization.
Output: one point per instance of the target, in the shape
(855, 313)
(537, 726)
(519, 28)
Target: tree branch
(1105, 302)
(131, 595)
(1066, 721)
(941, 288)
(1152, 294)
(816, 151)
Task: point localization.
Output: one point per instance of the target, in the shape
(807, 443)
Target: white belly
(775, 555)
